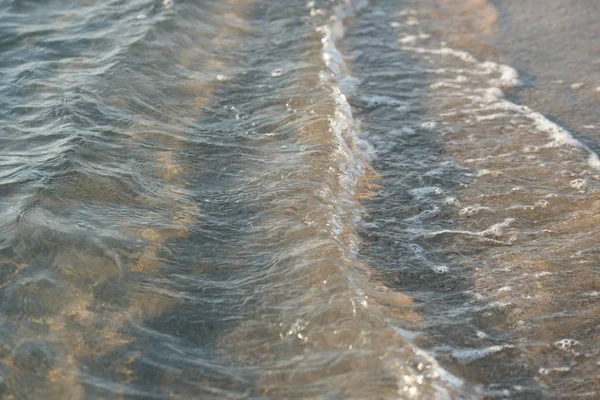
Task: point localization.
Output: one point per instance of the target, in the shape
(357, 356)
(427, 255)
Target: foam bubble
(426, 191)
(579, 184)
(451, 201)
(469, 355)
(566, 344)
(463, 55)
(444, 51)
(498, 229)
(542, 204)
(472, 210)
(553, 370)
(408, 39)
(444, 85)
(509, 77)
(593, 293)
(577, 85)
(493, 94)
(481, 334)
(429, 125)
(440, 269)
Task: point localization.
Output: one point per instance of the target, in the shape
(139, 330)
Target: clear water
(269, 200)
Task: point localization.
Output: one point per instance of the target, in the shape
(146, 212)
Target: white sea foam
(472, 210)
(501, 77)
(423, 192)
(566, 344)
(354, 153)
(470, 355)
(577, 85)
(490, 235)
(554, 370)
(579, 184)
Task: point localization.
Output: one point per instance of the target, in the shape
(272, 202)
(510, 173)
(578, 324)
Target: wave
(491, 97)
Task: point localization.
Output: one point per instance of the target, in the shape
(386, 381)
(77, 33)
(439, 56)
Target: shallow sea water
(272, 200)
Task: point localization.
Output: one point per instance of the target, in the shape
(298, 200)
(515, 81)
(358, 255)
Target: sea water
(328, 199)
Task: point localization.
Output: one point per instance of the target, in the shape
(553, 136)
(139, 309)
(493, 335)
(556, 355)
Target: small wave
(358, 154)
(500, 77)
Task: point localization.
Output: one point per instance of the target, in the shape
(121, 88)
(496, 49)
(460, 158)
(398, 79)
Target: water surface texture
(251, 199)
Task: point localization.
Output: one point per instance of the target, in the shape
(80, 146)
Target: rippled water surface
(272, 200)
